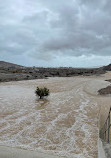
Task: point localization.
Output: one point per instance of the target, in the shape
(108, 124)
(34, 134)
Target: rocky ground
(105, 91)
(13, 72)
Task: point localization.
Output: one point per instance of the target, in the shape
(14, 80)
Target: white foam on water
(56, 127)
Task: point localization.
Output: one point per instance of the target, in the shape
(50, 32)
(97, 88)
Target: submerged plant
(42, 92)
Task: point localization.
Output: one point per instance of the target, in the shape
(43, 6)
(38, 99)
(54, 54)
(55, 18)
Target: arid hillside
(13, 72)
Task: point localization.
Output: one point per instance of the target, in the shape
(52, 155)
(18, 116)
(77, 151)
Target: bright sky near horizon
(54, 33)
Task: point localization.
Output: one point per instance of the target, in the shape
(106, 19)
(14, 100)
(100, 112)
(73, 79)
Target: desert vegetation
(42, 92)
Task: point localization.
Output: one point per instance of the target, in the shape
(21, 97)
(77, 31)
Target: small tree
(42, 92)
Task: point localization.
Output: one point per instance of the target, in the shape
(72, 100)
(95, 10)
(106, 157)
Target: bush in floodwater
(42, 92)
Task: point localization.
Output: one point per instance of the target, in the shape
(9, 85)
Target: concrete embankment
(101, 152)
(8, 152)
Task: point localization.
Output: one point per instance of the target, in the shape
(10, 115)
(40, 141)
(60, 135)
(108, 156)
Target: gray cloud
(47, 29)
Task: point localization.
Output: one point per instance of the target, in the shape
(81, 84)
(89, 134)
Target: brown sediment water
(65, 123)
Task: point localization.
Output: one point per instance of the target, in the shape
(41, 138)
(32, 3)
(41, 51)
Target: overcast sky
(55, 33)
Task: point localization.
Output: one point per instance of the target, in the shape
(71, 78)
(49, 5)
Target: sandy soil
(65, 124)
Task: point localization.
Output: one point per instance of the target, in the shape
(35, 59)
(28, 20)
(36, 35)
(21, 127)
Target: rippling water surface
(65, 123)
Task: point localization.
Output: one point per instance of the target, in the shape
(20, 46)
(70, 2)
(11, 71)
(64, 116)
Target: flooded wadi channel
(65, 123)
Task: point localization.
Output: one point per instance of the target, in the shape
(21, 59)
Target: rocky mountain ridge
(14, 72)
(107, 68)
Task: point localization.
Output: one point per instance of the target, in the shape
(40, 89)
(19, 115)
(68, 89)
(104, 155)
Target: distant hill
(4, 64)
(107, 68)
(14, 72)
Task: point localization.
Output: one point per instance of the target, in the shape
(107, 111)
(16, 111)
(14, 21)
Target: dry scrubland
(13, 72)
(65, 124)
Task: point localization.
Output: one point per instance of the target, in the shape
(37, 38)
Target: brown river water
(65, 123)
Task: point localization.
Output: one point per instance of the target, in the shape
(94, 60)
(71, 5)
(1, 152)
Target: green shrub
(42, 92)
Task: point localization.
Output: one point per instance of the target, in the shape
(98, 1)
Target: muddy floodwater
(66, 123)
